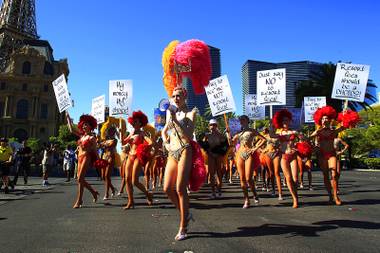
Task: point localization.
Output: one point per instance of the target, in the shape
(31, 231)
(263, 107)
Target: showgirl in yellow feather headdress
(108, 134)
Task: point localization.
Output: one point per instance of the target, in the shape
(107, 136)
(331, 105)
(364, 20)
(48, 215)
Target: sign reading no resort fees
(350, 82)
(62, 93)
(219, 96)
(271, 87)
(120, 97)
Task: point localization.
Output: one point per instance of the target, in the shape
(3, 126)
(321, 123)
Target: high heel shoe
(182, 234)
(129, 206)
(95, 197)
(246, 204)
(150, 198)
(78, 205)
(114, 192)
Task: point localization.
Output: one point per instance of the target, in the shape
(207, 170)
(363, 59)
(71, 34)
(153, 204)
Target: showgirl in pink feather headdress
(187, 59)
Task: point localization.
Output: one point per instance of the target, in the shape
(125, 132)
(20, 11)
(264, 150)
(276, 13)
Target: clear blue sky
(123, 39)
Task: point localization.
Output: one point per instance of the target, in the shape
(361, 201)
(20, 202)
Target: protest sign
(62, 95)
(159, 119)
(98, 108)
(120, 97)
(252, 109)
(350, 82)
(295, 124)
(271, 87)
(219, 96)
(234, 125)
(311, 104)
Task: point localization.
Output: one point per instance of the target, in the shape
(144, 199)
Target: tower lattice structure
(17, 23)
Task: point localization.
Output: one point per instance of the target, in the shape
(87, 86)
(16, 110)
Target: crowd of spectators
(17, 159)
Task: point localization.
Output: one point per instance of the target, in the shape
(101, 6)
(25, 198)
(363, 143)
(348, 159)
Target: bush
(372, 163)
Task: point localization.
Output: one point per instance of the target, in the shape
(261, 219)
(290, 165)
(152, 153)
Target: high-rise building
(200, 101)
(28, 106)
(295, 72)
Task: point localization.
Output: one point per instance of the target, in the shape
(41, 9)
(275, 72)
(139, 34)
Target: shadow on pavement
(363, 202)
(290, 230)
(267, 229)
(350, 224)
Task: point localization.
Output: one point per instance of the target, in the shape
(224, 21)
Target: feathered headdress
(151, 131)
(112, 122)
(324, 111)
(169, 79)
(348, 119)
(187, 59)
(140, 116)
(279, 117)
(89, 119)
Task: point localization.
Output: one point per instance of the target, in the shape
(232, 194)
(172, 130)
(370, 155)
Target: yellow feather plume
(169, 78)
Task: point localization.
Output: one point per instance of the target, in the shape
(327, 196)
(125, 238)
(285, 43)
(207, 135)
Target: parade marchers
(175, 156)
(169, 157)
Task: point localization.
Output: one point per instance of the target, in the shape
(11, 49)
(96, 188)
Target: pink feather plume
(198, 54)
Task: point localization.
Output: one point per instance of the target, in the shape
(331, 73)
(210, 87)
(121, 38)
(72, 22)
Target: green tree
(201, 126)
(34, 144)
(64, 138)
(321, 83)
(366, 137)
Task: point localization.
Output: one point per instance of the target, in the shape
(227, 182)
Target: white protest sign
(98, 108)
(120, 97)
(271, 87)
(219, 96)
(350, 82)
(252, 109)
(62, 93)
(311, 104)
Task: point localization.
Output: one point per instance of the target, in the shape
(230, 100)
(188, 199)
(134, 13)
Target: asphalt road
(42, 220)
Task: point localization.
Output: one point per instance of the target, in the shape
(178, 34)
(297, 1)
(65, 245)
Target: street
(40, 219)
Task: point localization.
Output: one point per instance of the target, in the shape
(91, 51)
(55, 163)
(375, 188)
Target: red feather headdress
(279, 117)
(89, 119)
(324, 111)
(348, 119)
(140, 116)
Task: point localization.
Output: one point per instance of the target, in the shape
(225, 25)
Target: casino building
(295, 72)
(27, 68)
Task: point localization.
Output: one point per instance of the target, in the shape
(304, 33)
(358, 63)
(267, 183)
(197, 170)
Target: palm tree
(321, 83)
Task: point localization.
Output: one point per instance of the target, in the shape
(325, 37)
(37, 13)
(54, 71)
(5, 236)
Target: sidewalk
(34, 186)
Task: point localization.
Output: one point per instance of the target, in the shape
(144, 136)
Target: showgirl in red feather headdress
(87, 153)
(287, 138)
(327, 153)
(140, 145)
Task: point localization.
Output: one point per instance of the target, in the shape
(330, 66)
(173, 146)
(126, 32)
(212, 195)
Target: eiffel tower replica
(27, 69)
